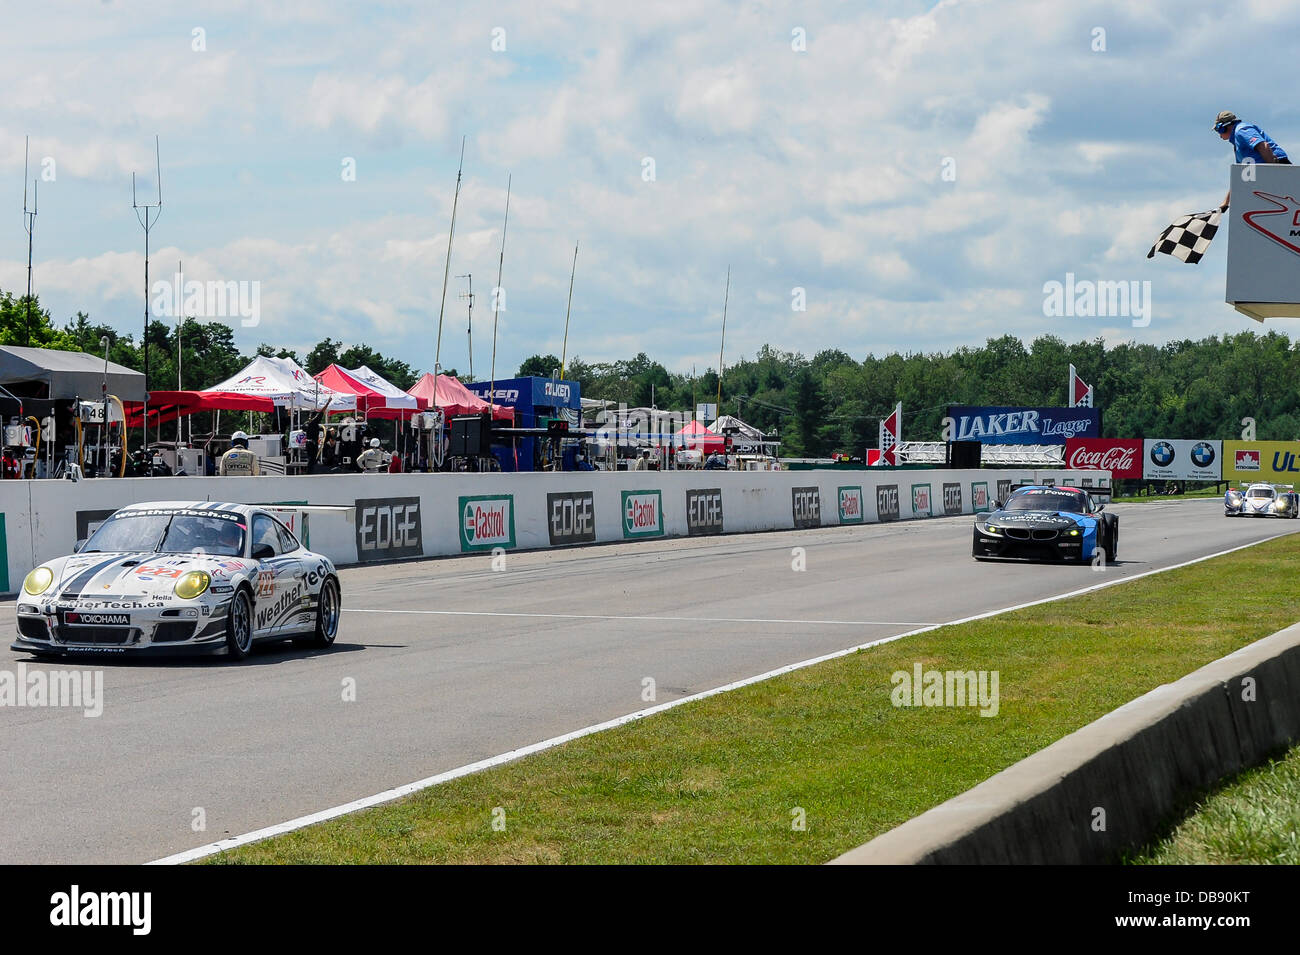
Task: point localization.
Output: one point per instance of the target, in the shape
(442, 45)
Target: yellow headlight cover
(38, 581)
(192, 584)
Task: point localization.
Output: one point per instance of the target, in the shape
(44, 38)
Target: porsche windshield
(168, 532)
(1047, 501)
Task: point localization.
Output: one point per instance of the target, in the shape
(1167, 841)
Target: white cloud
(818, 168)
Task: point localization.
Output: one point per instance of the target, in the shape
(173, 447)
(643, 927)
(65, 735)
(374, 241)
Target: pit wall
(372, 518)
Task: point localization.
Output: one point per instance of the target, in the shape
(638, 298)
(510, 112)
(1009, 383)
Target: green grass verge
(1153, 498)
(1253, 818)
(718, 780)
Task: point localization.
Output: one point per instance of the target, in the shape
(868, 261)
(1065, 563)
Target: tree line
(834, 402)
(821, 404)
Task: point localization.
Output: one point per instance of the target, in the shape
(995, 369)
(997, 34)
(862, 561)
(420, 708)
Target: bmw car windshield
(169, 532)
(1047, 501)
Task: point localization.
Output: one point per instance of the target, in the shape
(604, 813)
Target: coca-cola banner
(1022, 425)
(1173, 459)
(1122, 457)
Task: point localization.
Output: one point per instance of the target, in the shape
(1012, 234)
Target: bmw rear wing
(1098, 493)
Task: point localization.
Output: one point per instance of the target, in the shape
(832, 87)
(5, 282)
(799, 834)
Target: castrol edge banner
(1122, 457)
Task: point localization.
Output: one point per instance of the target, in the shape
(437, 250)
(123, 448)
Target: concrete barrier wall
(361, 518)
(1108, 787)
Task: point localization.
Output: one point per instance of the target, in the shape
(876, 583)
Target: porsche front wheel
(327, 615)
(239, 625)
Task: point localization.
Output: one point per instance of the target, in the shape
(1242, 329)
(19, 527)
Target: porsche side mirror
(80, 544)
(1100, 507)
(997, 505)
(263, 552)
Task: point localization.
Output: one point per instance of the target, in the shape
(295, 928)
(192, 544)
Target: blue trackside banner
(1023, 425)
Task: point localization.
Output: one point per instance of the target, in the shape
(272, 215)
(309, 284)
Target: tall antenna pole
(564, 351)
(496, 297)
(180, 321)
(180, 350)
(470, 328)
(29, 223)
(446, 270)
(725, 296)
(145, 212)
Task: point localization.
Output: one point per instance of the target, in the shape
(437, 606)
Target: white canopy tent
(727, 424)
(746, 439)
(285, 383)
(394, 397)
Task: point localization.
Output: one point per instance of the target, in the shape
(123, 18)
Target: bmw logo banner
(1176, 459)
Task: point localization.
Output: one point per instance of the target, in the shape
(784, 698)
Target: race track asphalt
(454, 662)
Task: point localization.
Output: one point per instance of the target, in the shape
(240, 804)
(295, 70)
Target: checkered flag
(1189, 237)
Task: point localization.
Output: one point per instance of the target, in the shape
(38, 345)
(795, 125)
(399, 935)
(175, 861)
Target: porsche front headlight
(38, 581)
(192, 584)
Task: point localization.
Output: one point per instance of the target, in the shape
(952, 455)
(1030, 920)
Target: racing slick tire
(1112, 538)
(239, 625)
(328, 611)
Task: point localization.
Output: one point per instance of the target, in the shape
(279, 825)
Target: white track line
(600, 616)
(258, 835)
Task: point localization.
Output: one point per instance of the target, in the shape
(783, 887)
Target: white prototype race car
(176, 578)
(1262, 500)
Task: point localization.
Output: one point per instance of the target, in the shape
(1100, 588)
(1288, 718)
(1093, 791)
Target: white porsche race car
(1262, 500)
(175, 577)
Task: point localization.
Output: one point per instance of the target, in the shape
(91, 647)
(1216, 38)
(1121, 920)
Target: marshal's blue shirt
(1246, 137)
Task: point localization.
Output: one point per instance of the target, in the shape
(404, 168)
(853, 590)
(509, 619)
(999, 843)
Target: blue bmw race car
(1044, 522)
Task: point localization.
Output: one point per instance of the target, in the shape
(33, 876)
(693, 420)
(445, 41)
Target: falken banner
(1276, 462)
(1171, 459)
(999, 425)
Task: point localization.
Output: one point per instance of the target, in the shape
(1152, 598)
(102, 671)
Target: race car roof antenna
(29, 224)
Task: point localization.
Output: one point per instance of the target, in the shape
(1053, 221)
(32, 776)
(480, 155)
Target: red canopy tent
(695, 435)
(370, 401)
(454, 398)
(170, 405)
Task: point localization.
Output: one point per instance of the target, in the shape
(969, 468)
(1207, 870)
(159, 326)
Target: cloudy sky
(920, 170)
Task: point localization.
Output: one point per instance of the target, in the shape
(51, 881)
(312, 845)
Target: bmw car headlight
(192, 584)
(38, 581)
(1074, 532)
(990, 530)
